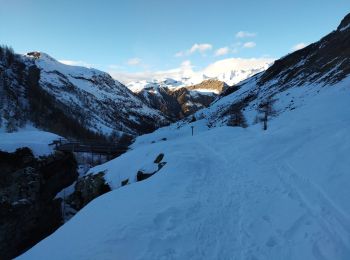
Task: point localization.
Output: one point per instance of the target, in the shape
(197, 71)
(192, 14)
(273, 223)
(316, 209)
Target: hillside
(69, 100)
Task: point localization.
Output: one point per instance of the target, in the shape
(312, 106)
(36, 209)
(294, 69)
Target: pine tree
(265, 110)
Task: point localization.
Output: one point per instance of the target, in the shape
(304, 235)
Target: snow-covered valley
(248, 164)
(225, 193)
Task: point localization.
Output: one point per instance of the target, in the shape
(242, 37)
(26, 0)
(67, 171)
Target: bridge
(89, 146)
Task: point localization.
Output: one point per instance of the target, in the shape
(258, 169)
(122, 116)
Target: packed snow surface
(225, 193)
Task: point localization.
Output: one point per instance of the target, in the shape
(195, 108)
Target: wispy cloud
(197, 47)
(202, 47)
(249, 45)
(134, 61)
(245, 34)
(298, 46)
(76, 63)
(222, 51)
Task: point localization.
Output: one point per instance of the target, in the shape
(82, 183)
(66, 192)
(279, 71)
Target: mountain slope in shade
(66, 99)
(110, 103)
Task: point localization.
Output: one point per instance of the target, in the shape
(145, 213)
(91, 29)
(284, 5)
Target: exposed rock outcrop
(28, 208)
(86, 189)
(180, 102)
(212, 84)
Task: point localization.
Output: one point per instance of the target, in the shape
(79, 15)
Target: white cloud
(202, 47)
(197, 47)
(245, 34)
(186, 70)
(134, 61)
(222, 51)
(298, 46)
(76, 63)
(249, 45)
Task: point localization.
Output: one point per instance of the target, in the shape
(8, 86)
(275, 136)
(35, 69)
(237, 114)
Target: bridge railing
(89, 146)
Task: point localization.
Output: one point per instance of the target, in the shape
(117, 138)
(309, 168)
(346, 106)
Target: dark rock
(345, 22)
(143, 176)
(88, 188)
(125, 182)
(159, 158)
(28, 209)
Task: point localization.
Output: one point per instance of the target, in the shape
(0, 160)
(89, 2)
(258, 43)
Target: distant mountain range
(231, 71)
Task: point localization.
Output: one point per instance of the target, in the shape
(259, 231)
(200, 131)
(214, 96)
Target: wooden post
(92, 155)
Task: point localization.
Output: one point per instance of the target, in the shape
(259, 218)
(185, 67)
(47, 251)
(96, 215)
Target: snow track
(334, 223)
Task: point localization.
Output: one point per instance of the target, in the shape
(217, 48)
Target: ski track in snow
(319, 207)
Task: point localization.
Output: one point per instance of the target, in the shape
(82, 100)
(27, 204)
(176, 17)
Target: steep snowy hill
(287, 83)
(104, 103)
(233, 192)
(69, 99)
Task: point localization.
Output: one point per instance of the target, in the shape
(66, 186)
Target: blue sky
(140, 35)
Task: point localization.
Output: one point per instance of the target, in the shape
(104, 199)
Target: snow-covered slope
(225, 193)
(69, 100)
(104, 103)
(233, 192)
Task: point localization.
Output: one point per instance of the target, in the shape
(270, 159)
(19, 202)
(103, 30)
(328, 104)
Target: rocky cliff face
(28, 208)
(180, 102)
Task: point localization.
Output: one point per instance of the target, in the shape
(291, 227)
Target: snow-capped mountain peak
(231, 71)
